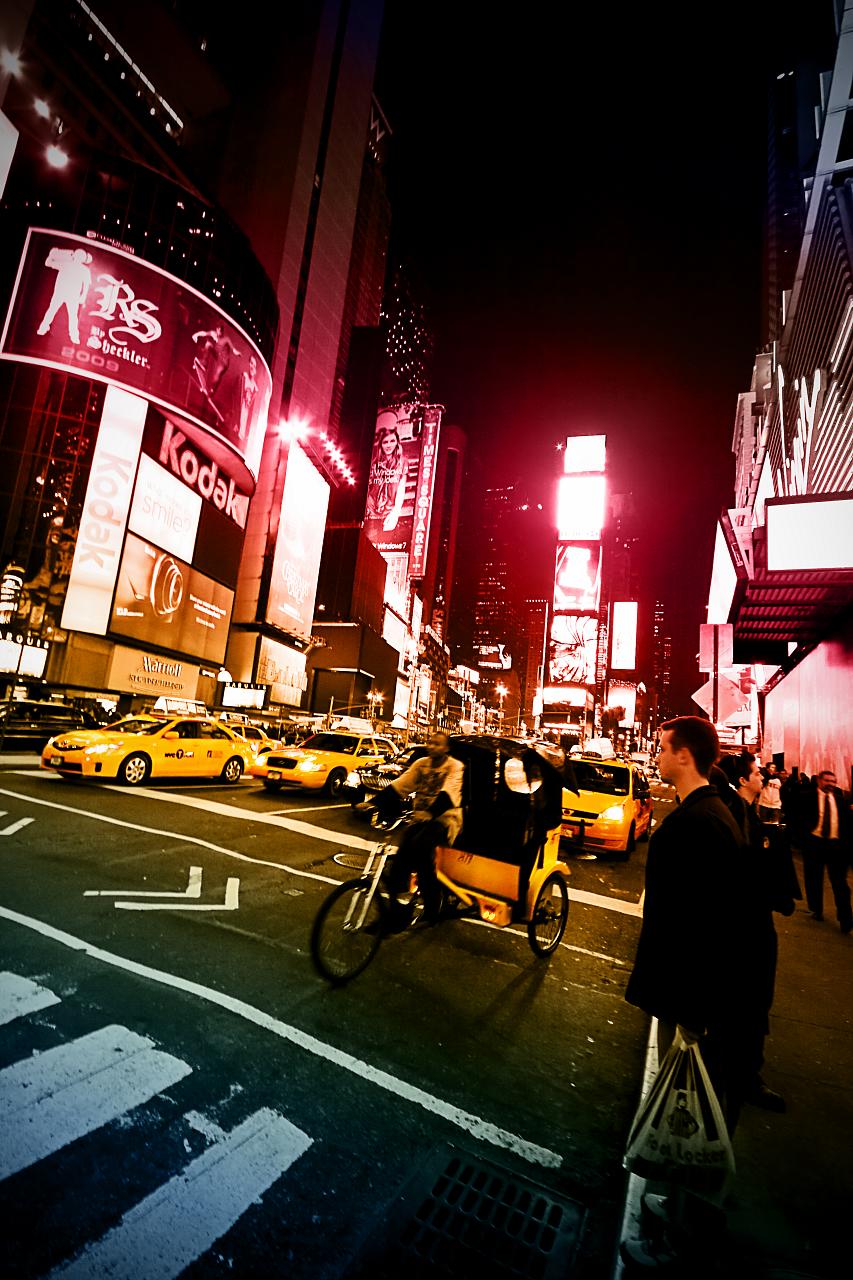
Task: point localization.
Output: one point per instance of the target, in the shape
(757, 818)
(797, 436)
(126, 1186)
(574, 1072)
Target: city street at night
(455, 1040)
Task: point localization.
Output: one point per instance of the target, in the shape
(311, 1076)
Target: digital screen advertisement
(576, 578)
(161, 600)
(573, 648)
(298, 546)
(164, 510)
(86, 307)
(623, 656)
(399, 480)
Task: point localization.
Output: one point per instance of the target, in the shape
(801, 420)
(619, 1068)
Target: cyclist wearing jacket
(436, 784)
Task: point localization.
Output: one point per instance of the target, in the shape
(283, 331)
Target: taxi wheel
(630, 843)
(233, 770)
(336, 782)
(135, 770)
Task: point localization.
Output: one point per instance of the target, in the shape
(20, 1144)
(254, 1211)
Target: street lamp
(502, 691)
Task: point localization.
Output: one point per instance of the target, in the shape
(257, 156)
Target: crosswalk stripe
(163, 1234)
(55, 1098)
(20, 996)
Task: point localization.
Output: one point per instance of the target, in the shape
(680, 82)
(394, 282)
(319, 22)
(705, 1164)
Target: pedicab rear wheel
(346, 933)
(550, 915)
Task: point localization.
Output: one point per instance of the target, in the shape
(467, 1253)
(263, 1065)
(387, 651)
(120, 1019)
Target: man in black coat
(700, 964)
(825, 827)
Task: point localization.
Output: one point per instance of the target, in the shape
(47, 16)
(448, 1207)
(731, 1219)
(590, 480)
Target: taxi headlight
(614, 814)
(353, 778)
(310, 766)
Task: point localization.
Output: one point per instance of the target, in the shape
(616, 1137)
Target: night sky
(585, 196)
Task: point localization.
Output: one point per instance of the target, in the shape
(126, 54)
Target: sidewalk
(792, 1215)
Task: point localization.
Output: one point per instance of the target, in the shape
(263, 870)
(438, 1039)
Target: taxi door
(216, 747)
(186, 756)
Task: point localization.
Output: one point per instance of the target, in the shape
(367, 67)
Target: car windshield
(607, 779)
(331, 742)
(133, 725)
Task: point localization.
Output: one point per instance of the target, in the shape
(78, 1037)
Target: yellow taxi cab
(142, 747)
(321, 762)
(613, 807)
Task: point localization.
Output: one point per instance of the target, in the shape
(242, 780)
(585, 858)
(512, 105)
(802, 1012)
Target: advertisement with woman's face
(390, 506)
(576, 578)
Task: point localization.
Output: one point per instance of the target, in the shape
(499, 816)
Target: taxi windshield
(607, 779)
(331, 742)
(132, 725)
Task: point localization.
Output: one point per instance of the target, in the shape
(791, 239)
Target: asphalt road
(181, 1092)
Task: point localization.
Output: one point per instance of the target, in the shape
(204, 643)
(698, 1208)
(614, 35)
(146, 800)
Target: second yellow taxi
(613, 807)
(141, 747)
(321, 762)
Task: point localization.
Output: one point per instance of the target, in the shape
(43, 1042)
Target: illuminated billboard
(401, 482)
(580, 508)
(577, 578)
(623, 655)
(161, 600)
(84, 306)
(620, 693)
(164, 510)
(572, 650)
(298, 546)
(584, 453)
(809, 533)
(105, 511)
(283, 670)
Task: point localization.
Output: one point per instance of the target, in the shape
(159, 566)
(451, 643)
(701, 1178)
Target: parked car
(142, 747)
(30, 723)
(613, 809)
(366, 782)
(322, 762)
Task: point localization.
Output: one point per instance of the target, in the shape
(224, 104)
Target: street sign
(724, 635)
(729, 698)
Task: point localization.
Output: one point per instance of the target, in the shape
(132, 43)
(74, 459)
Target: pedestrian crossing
(56, 1097)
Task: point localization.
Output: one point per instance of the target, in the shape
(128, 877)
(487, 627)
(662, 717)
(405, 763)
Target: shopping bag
(679, 1134)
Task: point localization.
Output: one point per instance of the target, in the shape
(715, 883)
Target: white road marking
(193, 890)
(317, 808)
(55, 1098)
(185, 839)
(20, 996)
(522, 933)
(231, 903)
(609, 904)
(163, 1234)
(225, 811)
(16, 826)
(465, 1120)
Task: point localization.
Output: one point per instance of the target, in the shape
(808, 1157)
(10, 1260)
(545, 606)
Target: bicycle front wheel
(347, 931)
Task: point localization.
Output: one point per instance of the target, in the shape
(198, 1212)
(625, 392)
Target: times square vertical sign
(90, 309)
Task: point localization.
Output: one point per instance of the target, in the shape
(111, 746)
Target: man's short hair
(699, 737)
(737, 766)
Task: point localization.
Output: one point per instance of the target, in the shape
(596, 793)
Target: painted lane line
(181, 836)
(227, 811)
(464, 1120)
(317, 808)
(609, 904)
(231, 903)
(193, 890)
(522, 933)
(53, 1099)
(167, 1231)
(16, 826)
(20, 996)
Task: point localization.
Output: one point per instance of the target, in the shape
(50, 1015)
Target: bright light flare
(294, 428)
(41, 108)
(10, 63)
(56, 157)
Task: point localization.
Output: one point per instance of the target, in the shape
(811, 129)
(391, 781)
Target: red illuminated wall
(808, 715)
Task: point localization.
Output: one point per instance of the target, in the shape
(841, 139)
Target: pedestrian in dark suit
(826, 837)
(701, 956)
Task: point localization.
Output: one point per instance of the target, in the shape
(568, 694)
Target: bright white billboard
(623, 655)
(577, 578)
(580, 508)
(299, 545)
(105, 510)
(585, 453)
(164, 511)
(811, 534)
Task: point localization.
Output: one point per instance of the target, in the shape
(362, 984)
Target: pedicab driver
(436, 784)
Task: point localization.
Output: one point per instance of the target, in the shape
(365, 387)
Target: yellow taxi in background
(321, 762)
(613, 809)
(142, 747)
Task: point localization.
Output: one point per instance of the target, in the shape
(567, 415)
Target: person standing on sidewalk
(700, 964)
(770, 797)
(826, 838)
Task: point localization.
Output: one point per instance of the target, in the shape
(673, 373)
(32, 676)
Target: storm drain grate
(459, 1215)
